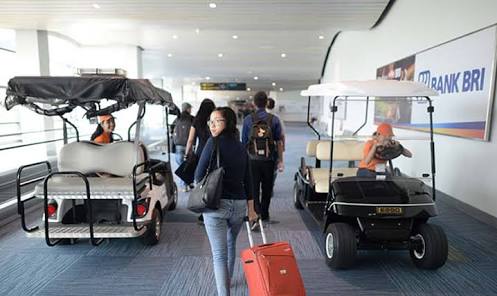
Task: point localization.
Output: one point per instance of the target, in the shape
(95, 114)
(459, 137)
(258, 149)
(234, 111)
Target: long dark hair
(205, 110)
(97, 132)
(230, 119)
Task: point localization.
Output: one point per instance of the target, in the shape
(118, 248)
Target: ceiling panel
(265, 30)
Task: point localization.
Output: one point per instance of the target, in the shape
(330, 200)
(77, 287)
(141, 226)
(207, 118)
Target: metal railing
(30, 132)
(38, 143)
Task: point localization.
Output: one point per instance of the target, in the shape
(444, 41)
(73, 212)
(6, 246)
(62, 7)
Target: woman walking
(199, 129)
(224, 224)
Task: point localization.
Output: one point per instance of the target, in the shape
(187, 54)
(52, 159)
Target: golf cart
(389, 211)
(98, 191)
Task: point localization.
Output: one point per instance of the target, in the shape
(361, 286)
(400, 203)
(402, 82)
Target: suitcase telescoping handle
(249, 231)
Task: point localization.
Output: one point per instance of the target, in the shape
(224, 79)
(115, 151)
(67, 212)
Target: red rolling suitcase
(271, 269)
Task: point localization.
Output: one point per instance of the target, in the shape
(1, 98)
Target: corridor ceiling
(274, 40)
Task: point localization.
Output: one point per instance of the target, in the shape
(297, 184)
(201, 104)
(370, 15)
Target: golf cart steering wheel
(117, 137)
(388, 152)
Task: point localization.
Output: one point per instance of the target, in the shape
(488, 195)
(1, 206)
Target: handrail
(140, 117)
(90, 211)
(19, 185)
(309, 119)
(135, 192)
(65, 120)
(37, 143)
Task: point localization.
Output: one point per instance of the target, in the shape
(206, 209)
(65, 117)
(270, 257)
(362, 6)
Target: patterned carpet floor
(181, 264)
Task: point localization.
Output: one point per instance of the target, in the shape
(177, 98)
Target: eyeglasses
(215, 122)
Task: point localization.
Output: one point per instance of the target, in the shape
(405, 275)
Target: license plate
(389, 210)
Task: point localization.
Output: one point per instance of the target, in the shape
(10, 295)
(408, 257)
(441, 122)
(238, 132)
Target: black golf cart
(99, 191)
(389, 211)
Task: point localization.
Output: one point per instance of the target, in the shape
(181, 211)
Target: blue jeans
(179, 155)
(223, 226)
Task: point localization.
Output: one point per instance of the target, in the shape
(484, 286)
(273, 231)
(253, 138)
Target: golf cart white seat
(342, 150)
(117, 159)
(312, 146)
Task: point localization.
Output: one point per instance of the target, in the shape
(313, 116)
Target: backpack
(261, 144)
(182, 129)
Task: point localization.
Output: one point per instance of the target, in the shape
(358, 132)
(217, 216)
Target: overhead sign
(222, 86)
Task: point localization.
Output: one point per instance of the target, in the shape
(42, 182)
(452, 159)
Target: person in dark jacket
(224, 224)
(199, 129)
(182, 125)
(263, 170)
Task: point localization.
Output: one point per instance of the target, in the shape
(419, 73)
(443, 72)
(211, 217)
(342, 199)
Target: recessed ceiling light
(283, 55)
(197, 30)
(281, 88)
(169, 55)
(175, 36)
(248, 89)
(95, 5)
(321, 37)
(255, 77)
(212, 5)
(274, 83)
(219, 55)
(235, 36)
(207, 78)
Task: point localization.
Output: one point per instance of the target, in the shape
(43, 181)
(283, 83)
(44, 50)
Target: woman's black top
(237, 180)
(202, 133)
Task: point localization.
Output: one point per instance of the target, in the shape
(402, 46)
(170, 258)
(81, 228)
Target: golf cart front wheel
(153, 232)
(429, 247)
(296, 197)
(340, 246)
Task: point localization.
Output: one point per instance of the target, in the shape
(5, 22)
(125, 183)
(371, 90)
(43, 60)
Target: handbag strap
(216, 150)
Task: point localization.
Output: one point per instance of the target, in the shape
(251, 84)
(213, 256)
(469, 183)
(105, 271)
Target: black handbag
(186, 170)
(207, 193)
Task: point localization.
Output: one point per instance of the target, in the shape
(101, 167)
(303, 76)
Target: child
(382, 137)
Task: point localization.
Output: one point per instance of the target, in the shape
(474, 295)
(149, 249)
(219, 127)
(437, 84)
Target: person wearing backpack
(261, 135)
(181, 131)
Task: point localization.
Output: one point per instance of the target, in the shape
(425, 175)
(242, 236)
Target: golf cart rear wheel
(340, 246)
(153, 232)
(296, 197)
(429, 247)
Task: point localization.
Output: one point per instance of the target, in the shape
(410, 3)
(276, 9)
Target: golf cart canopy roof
(55, 96)
(370, 88)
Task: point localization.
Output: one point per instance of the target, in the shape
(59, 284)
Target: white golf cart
(389, 211)
(77, 201)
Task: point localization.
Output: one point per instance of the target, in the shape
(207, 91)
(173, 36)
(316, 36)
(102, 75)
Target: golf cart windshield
(55, 96)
